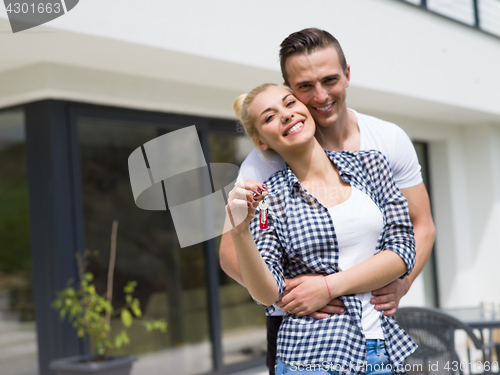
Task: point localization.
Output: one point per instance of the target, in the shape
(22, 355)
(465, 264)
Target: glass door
(18, 341)
(171, 281)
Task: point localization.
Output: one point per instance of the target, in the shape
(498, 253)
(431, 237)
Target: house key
(263, 207)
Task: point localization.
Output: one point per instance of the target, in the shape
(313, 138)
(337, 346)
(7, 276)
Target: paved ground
(18, 348)
(19, 356)
(262, 370)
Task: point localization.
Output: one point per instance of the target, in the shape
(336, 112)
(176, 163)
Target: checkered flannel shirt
(301, 239)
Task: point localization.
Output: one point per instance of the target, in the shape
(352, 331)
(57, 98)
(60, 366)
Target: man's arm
(387, 298)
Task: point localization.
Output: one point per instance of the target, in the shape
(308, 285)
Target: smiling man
(314, 67)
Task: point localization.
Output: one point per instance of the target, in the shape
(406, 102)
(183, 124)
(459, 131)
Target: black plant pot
(86, 365)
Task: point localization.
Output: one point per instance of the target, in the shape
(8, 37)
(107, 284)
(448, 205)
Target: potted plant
(91, 313)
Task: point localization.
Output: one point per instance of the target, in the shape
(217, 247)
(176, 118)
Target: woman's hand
(242, 203)
(304, 295)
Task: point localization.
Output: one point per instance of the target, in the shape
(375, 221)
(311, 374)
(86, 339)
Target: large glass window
(171, 280)
(483, 14)
(460, 10)
(18, 347)
(243, 320)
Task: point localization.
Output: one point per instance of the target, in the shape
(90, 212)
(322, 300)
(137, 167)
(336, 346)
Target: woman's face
(282, 122)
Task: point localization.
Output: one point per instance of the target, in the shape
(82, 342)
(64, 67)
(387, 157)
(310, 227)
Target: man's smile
(325, 108)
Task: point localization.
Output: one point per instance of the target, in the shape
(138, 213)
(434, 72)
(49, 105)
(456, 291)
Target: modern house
(80, 93)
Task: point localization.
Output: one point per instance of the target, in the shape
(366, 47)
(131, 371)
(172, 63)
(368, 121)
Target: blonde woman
(335, 214)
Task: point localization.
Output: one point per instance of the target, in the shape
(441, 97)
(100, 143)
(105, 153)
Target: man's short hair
(305, 42)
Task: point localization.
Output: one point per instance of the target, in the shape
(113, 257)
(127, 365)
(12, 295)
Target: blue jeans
(376, 357)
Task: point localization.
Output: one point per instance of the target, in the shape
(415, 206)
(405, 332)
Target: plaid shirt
(301, 239)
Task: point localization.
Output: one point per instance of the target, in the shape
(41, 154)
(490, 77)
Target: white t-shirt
(375, 134)
(358, 223)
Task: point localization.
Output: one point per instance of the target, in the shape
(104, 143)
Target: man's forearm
(423, 228)
(424, 241)
(388, 297)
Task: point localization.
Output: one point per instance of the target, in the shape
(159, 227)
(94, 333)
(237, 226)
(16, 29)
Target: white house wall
(485, 209)
(392, 46)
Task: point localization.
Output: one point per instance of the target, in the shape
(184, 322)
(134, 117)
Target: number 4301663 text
(33, 8)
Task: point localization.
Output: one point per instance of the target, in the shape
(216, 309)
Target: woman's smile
(293, 128)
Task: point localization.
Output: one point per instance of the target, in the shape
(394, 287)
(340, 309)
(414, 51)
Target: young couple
(330, 216)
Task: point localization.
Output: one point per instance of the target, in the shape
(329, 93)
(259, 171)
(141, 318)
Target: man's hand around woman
(388, 297)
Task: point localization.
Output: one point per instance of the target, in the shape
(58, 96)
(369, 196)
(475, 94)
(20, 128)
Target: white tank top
(358, 223)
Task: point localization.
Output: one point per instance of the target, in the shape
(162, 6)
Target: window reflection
(18, 346)
(171, 281)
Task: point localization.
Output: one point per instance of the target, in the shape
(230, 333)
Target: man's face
(319, 82)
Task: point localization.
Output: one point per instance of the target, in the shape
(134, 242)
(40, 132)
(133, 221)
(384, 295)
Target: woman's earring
(263, 206)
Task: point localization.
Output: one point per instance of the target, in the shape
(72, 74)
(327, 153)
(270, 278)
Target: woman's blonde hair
(241, 105)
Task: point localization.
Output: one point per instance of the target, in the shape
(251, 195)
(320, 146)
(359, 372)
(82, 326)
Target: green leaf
(125, 338)
(118, 341)
(126, 318)
(108, 307)
(136, 308)
(89, 276)
(130, 287)
(161, 325)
